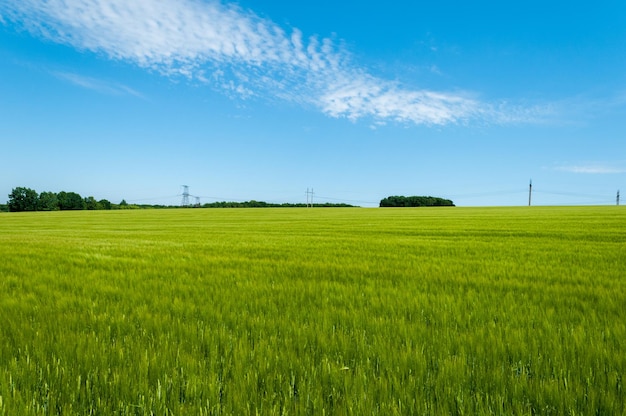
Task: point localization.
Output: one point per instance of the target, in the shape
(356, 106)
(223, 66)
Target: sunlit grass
(312, 311)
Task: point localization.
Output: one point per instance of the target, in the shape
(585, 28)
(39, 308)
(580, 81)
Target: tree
(90, 203)
(48, 201)
(415, 201)
(104, 204)
(70, 200)
(23, 199)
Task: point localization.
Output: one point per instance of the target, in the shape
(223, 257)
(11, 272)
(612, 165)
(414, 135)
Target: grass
(498, 311)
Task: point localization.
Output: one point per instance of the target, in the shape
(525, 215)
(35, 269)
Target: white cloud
(242, 54)
(592, 168)
(104, 87)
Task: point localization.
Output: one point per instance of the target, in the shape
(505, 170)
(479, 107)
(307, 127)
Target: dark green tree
(23, 199)
(104, 204)
(48, 201)
(91, 203)
(70, 201)
(415, 201)
(393, 201)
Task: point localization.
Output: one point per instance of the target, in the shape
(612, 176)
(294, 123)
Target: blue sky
(263, 100)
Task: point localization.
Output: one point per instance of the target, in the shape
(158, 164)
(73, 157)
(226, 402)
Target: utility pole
(530, 191)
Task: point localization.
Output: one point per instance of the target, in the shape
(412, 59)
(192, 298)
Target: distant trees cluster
(415, 201)
(261, 204)
(26, 199)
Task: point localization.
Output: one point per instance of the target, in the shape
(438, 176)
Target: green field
(351, 311)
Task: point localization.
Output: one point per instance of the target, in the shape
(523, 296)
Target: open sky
(357, 100)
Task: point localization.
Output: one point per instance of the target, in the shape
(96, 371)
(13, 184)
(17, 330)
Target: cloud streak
(103, 87)
(593, 169)
(243, 55)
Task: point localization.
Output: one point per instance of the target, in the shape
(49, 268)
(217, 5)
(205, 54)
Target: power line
(311, 195)
(153, 198)
(484, 194)
(346, 200)
(572, 194)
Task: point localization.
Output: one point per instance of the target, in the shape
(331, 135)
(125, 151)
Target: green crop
(426, 311)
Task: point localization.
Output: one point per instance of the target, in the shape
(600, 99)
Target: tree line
(415, 201)
(26, 199)
(261, 204)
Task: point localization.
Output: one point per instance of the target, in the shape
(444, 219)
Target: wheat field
(296, 311)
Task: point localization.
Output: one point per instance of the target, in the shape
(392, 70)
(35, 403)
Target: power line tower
(618, 197)
(309, 197)
(197, 202)
(185, 201)
(530, 191)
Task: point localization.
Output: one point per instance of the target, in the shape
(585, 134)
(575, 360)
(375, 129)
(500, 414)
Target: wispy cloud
(592, 168)
(104, 87)
(245, 55)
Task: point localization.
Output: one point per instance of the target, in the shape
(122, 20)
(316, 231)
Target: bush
(415, 201)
